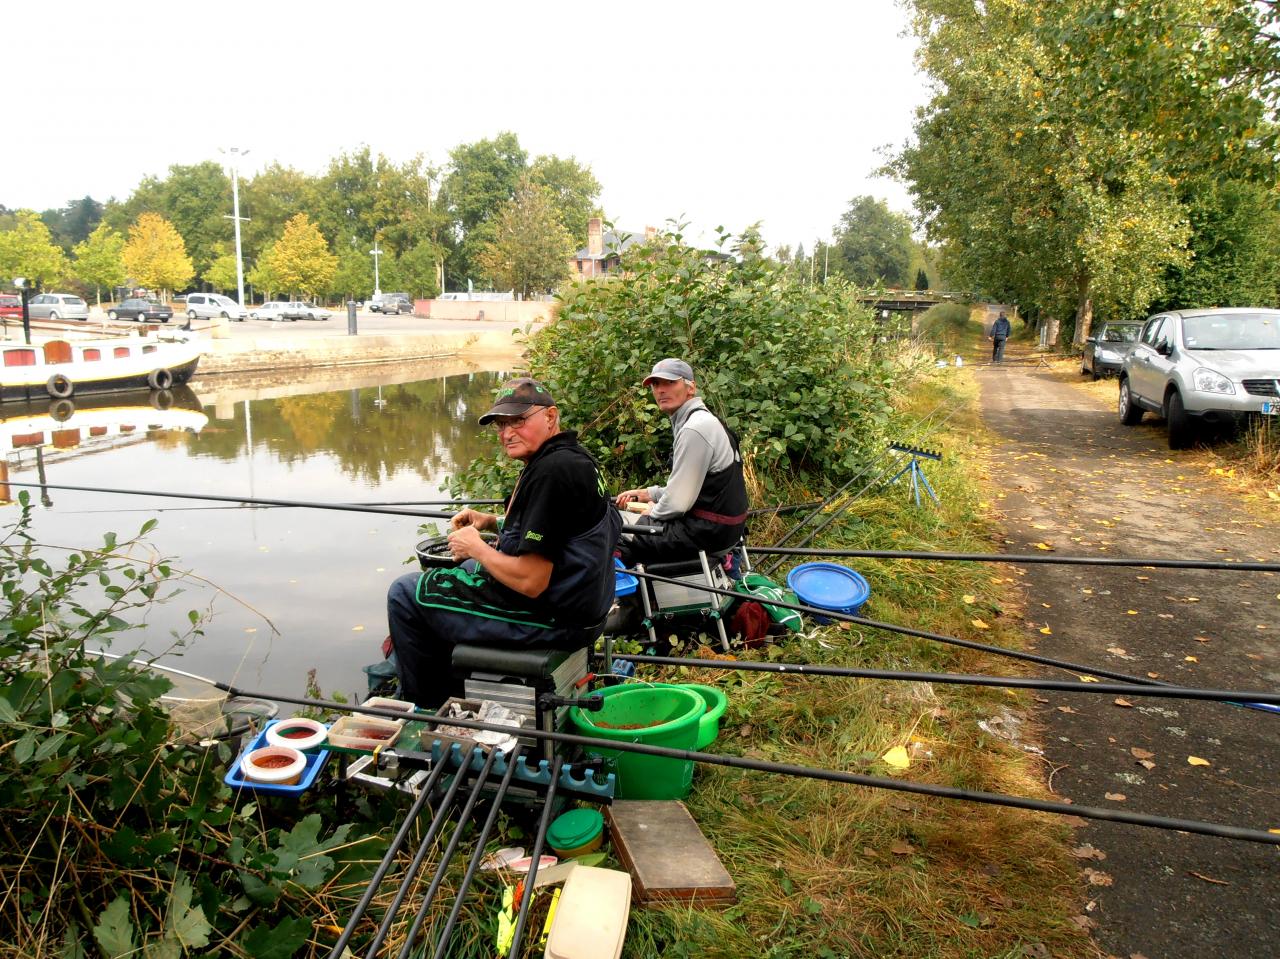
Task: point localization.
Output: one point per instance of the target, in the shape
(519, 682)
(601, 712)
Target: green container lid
(575, 828)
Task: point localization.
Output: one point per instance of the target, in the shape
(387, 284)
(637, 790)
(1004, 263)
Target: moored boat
(61, 368)
(66, 423)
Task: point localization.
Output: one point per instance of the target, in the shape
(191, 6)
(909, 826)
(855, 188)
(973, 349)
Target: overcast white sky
(713, 112)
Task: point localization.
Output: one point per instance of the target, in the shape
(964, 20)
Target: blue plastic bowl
(829, 586)
(624, 584)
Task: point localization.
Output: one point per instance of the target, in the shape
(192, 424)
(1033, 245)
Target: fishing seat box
(516, 676)
(676, 597)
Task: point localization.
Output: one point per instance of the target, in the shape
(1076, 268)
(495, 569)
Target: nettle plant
(118, 838)
(798, 370)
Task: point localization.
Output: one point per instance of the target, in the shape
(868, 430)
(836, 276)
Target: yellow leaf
(1197, 761)
(1046, 630)
(1087, 679)
(979, 624)
(1190, 659)
(1044, 546)
(897, 758)
(1132, 612)
(968, 598)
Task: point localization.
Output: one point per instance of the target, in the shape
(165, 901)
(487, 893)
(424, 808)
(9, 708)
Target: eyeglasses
(501, 423)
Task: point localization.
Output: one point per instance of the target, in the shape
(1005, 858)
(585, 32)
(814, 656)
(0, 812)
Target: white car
(272, 310)
(57, 306)
(304, 310)
(206, 306)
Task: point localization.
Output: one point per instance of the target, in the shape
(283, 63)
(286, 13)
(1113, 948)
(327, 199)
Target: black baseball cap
(518, 396)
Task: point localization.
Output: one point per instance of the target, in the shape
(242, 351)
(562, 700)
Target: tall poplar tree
(156, 256)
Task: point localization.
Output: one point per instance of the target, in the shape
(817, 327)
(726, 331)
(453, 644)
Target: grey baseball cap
(670, 369)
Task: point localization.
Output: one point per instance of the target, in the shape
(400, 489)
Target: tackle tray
(344, 734)
(235, 778)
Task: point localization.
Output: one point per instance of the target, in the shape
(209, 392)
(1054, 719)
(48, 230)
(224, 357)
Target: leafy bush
(115, 833)
(797, 370)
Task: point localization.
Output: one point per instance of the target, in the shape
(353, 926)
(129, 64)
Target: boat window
(120, 351)
(28, 439)
(19, 357)
(91, 354)
(150, 349)
(97, 431)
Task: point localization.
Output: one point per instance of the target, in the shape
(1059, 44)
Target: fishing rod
(1041, 559)
(921, 634)
(257, 501)
(1199, 827)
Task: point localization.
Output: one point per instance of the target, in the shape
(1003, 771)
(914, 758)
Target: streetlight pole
(235, 214)
(376, 253)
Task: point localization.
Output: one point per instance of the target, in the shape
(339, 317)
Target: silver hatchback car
(1203, 367)
(57, 306)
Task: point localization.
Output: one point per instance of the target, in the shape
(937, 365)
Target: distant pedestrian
(1000, 331)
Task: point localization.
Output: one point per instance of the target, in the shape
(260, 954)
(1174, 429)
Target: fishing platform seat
(666, 601)
(516, 676)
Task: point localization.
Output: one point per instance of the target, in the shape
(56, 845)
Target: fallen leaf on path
(1216, 882)
(1046, 630)
(1097, 878)
(1146, 764)
(1190, 659)
(1115, 797)
(1087, 679)
(1203, 639)
(979, 624)
(1088, 852)
(1116, 650)
(1045, 546)
(1141, 753)
(1197, 761)
(1065, 709)
(1144, 578)
(968, 598)
(897, 758)
(1131, 612)
(900, 848)
(1124, 702)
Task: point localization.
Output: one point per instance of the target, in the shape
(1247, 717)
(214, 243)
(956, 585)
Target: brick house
(604, 249)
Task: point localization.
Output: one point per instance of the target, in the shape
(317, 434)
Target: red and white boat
(61, 368)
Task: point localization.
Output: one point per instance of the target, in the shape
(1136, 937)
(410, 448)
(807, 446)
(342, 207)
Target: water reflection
(289, 589)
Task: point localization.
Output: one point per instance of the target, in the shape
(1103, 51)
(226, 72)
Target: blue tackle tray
(235, 778)
(624, 584)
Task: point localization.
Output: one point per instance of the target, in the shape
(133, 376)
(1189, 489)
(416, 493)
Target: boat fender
(160, 379)
(59, 386)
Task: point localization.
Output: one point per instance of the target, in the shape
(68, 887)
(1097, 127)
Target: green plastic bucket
(716, 702)
(662, 716)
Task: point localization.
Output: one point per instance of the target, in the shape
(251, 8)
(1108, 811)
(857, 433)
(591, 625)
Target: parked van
(206, 306)
(390, 303)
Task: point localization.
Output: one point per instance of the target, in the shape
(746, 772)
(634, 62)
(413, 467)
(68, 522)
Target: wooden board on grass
(669, 859)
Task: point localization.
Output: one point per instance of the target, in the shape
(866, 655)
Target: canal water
(284, 590)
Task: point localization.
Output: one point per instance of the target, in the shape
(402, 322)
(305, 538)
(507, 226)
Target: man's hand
(473, 519)
(466, 543)
(632, 496)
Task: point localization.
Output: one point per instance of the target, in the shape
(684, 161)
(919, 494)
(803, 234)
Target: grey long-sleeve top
(701, 446)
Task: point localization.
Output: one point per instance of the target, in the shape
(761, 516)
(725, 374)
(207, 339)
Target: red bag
(750, 622)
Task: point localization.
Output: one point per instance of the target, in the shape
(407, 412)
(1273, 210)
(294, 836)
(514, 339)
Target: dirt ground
(1067, 476)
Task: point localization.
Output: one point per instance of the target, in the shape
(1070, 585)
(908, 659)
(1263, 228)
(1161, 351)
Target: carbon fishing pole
(1024, 558)
(1243, 833)
(539, 843)
(963, 679)
(426, 514)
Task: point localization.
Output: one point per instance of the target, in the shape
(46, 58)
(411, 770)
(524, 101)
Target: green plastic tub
(716, 702)
(661, 716)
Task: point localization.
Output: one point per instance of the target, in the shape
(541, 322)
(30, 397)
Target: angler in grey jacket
(704, 502)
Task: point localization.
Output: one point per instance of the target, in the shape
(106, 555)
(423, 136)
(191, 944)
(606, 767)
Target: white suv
(1211, 367)
(206, 306)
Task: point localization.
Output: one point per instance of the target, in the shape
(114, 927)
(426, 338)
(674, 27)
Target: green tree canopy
(100, 259)
(872, 244)
(74, 222)
(481, 177)
(27, 250)
(530, 249)
(155, 255)
(574, 190)
(221, 273)
(1051, 159)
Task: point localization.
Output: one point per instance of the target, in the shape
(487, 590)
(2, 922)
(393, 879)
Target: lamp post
(236, 152)
(376, 253)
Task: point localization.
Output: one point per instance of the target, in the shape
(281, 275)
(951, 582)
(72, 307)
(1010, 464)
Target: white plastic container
(591, 918)
(273, 765)
(286, 733)
(364, 733)
(383, 702)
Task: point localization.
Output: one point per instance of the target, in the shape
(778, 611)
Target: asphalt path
(1068, 477)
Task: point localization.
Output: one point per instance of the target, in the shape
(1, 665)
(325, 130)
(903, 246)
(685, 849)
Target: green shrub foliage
(798, 370)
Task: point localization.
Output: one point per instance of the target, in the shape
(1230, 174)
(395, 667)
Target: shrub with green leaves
(116, 837)
(798, 370)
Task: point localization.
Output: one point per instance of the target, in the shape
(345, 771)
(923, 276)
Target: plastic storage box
(364, 734)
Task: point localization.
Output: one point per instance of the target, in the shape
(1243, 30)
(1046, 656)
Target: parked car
(272, 310)
(390, 303)
(57, 306)
(206, 306)
(140, 310)
(11, 305)
(1105, 350)
(304, 310)
(1203, 367)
